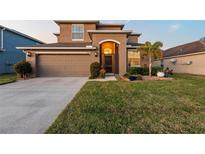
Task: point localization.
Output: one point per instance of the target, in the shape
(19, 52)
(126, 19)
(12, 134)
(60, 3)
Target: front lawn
(176, 106)
(7, 78)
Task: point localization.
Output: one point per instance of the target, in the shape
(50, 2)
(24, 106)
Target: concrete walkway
(31, 106)
(107, 78)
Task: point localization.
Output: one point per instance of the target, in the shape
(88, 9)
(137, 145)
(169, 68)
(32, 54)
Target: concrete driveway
(31, 106)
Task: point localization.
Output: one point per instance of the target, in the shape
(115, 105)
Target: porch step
(109, 74)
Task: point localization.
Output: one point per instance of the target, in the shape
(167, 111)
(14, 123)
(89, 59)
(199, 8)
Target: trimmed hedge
(94, 70)
(23, 68)
(144, 71)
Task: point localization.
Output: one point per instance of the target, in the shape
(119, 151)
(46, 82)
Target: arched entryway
(109, 56)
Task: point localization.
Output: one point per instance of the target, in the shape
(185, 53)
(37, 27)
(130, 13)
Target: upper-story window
(77, 32)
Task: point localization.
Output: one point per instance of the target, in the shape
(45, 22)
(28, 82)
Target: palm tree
(151, 50)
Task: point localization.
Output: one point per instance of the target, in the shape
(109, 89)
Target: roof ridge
(22, 34)
(202, 42)
(110, 24)
(181, 45)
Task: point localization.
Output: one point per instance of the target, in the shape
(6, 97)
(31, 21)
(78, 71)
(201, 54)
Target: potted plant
(102, 73)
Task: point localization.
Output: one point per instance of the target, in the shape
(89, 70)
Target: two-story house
(81, 43)
(9, 55)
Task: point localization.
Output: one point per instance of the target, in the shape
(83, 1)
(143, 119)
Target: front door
(109, 57)
(108, 63)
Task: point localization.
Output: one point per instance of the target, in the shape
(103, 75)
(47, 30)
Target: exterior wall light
(28, 54)
(107, 51)
(189, 62)
(96, 54)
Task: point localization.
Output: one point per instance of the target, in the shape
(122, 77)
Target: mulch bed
(146, 78)
(156, 78)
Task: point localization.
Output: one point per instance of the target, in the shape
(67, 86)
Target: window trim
(136, 65)
(72, 32)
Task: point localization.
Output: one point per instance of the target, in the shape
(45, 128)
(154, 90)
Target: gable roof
(109, 31)
(76, 21)
(21, 34)
(97, 22)
(135, 34)
(189, 48)
(110, 25)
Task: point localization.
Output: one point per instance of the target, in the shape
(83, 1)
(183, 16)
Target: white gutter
(67, 53)
(184, 55)
(2, 38)
(56, 48)
(132, 47)
(109, 31)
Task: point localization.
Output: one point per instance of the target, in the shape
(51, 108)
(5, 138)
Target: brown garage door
(63, 65)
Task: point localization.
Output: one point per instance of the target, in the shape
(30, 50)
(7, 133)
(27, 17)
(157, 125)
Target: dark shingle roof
(189, 48)
(63, 45)
(134, 44)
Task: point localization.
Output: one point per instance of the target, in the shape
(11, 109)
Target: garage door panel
(63, 65)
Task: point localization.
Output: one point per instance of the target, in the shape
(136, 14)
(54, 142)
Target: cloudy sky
(170, 32)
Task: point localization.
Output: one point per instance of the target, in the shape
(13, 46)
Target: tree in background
(152, 51)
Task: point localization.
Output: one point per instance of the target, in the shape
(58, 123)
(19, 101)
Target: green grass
(7, 78)
(176, 106)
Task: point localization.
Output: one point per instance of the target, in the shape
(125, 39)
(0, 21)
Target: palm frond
(153, 49)
(157, 45)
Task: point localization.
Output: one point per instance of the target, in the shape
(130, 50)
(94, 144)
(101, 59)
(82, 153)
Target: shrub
(127, 75)
(132, 70)
(144, 70)
(102, 73)
(138, 70)
(139, 77)
(23, 68)
(94, 70)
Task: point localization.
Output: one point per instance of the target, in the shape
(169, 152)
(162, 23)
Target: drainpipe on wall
(2, 39)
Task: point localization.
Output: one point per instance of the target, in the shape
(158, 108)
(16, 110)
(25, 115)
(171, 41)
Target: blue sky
(170, 32)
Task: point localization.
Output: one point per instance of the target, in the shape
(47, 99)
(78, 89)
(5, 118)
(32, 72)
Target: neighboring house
(9, 55)
(187, 58)
(81, 43)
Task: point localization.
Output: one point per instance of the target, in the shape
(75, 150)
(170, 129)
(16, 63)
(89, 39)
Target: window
(77, 32)
(133, 58)
(1, 39)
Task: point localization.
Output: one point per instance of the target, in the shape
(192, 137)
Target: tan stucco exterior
(32, 61)
(49, 60)
(64, 64)
(66, 36)
(192, 64)
(132, 38)
(122, 39)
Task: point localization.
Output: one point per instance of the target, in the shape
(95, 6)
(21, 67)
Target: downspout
(2, 38)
